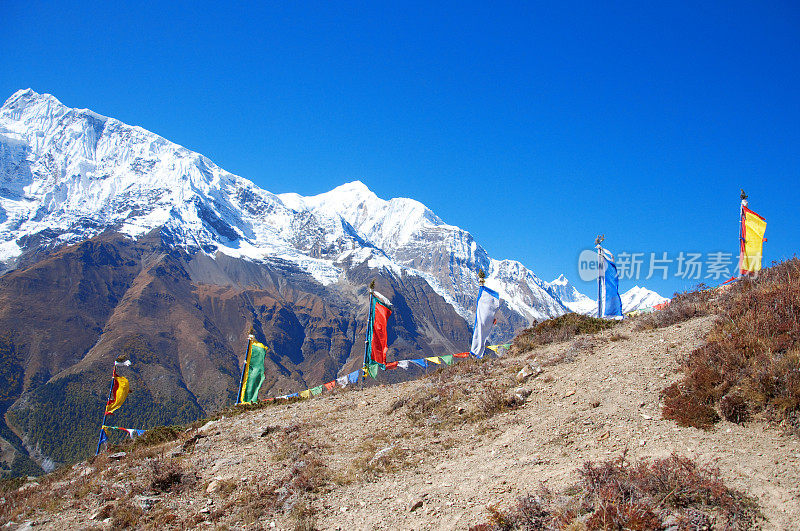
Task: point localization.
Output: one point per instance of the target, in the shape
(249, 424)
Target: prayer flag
(392, 365)
(342, 381)
(252, 372)
(485, 311)
(434, 359)
(377, 341)
(317, 390)
(353, 377)
(403, 364)
(330, 385)
(119, 392)
(372, 370)
(610, 303)
(422, 363)
(448, 359)
(305, 394)
(751, 241)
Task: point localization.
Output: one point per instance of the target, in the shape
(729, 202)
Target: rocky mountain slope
(378, 458)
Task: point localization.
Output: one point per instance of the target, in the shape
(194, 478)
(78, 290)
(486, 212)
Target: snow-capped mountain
(67, 174)
(633, 299)
(572, 298)
(638, 297)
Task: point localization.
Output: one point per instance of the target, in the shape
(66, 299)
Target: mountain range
(114, 240)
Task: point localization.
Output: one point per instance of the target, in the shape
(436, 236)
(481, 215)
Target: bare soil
(381, 469)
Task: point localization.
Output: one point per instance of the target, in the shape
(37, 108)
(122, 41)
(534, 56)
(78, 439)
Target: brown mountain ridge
(183, 320)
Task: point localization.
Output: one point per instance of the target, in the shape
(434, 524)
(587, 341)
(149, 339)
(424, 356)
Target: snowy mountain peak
(68, 174)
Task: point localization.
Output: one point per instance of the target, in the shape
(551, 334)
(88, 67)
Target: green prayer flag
(317, 390)
(447, 358)
(253, 373)
(372, 368)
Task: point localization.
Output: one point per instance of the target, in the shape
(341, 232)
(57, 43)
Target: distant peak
(560, 280)
(28, 96)
(20, 94)
(353, 186)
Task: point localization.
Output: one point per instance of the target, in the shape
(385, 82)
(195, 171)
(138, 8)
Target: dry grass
(750, 362)
(581, 345)
(167, 475)
(469, 391)
(646, 495)
(559, 329)
(682, 307)
(290, 493)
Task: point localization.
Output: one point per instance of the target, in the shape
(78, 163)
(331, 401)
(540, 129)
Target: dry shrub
(618, 495)
(754, 349)
(684, 408)
(166, 475)
(125, 515)
(559, 329)
(682, 307)
(734, 408)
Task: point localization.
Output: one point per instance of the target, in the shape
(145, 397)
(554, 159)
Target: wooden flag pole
(250, 338)
(362, 374)
(598, 243)
(742, 206)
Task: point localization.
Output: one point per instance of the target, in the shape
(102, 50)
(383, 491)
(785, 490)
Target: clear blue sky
(534, 127)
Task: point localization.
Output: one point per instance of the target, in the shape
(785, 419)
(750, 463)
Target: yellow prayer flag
(752, 239)
(119, 392)
(435, 360)
(305, 394)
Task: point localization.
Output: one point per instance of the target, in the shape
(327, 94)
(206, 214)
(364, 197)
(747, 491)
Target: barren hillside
(436, 453)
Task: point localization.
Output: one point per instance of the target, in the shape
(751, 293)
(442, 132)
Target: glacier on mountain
(67, 174)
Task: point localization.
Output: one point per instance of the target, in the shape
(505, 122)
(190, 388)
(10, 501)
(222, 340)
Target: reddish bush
(647, 495)
(754, 348)
(734, 408)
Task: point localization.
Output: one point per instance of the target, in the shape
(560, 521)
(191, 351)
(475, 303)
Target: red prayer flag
(330, 385)
(379, 341)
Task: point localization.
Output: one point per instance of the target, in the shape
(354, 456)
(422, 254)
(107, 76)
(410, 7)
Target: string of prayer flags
(372, 370)
(421, 362)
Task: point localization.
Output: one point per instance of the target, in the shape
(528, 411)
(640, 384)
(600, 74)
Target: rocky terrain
(436, 453)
